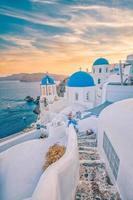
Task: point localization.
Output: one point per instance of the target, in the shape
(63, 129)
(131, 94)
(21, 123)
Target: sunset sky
(60, 36)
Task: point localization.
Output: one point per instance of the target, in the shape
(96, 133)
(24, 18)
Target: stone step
(94, 183)
(89, 155)
(83, 148)
(92, 191)
(92, 143)
(95, 171)
(86, 140)
(93, 136)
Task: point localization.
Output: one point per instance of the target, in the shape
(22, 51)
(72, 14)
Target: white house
(81, 89)
(128, 74)
(130, 59)
(115, 142)
(115, 89)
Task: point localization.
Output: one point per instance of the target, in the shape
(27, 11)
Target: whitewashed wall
(17, 139)
(116, 122)
(81, 91)
(57, 131)
(57, 106)
(22, 176)
(88, 123)
(64, 175)
(118, 92)
(103, 75)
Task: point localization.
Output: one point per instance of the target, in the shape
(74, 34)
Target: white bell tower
(48, 89)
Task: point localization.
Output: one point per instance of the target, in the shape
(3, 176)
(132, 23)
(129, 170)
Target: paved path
(94, 183)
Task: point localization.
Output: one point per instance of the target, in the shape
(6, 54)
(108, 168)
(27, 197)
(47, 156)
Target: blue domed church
(81, 89)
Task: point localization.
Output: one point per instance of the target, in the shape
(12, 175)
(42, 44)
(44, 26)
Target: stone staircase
(94, 183)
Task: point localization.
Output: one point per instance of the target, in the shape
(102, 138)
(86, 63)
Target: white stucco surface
(103, 75)
(114, 78)
(82, 95)
(21, 168)
(88, 123)
(73, 108)
(22, 175)
(118, 92)
(117, 122)
(17, 139)
(64, 175)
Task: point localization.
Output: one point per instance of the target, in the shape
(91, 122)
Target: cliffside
(31, 77)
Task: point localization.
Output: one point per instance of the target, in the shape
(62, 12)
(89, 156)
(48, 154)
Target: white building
(81, 89)
(100, 70)
(115, 142)
(128, 74)
(119, 86)
(113, 92)
(21, 176)
(48, 88)
(48, 95)
(130, 59)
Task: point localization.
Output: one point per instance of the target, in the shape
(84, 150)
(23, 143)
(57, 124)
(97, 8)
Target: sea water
(15, 113)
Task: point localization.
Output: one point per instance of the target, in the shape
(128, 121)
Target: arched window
(87, 96)
(53, 90)
(100, 70)
(43, 91)
(106, 70)
(99, 81)
(76, 96)
(93, 70)
(46, 90)
(49, 90)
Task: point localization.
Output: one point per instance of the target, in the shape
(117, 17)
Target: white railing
(17, 139)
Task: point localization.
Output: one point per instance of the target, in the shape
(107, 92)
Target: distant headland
(35, 77)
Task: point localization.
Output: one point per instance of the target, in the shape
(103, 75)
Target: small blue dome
(47, 80)
(101, 61)
(80, 79)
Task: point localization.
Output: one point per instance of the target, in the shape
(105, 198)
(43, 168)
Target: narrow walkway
(94, 181)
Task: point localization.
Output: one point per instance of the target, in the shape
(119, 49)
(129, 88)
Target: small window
(87, 96)
(100, 70)
(112, 156)
(46, 90)
(93, 70)
(106, 70)
(43, 91)
(49, 88)
(76, 96)
(99, 81)
(53, 90)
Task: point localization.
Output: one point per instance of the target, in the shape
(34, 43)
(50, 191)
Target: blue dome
(47, 80)
(80, 79)
(101, 61)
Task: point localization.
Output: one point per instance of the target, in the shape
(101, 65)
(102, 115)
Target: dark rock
(29, 99)
(61, 88)
(86, 175)
(37, 100)
(37, 110)
(108, 180)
